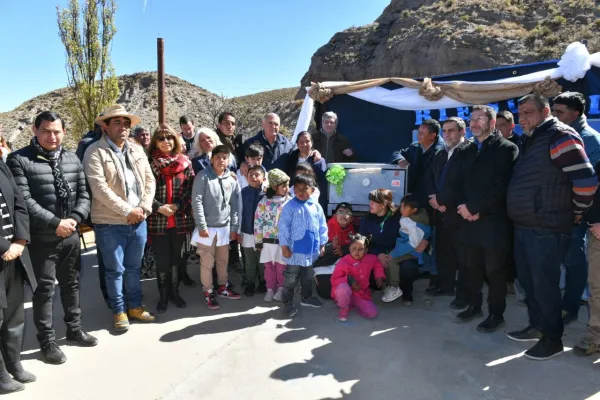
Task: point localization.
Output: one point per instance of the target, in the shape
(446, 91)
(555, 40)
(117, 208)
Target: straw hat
(114, 111)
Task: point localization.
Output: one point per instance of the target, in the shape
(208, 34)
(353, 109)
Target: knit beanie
(276, 177)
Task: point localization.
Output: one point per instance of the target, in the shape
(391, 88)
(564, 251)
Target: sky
(229, 47)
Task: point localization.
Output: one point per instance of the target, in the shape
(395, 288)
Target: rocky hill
(415, 38)
(139, 95)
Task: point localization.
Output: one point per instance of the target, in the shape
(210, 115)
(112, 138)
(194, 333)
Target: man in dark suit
(446, 192)
(15, 267)
(505, 124)
(486, 230)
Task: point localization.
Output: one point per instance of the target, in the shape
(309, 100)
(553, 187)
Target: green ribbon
(336, 175)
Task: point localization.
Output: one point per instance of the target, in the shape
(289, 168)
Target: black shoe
(9, 385)
(528, 334)
(163, 304)
(249, 291)
(19, 374)
(53, 354)
(568, 318)
(176, 298)
(437, 291)
(457, 304)
(187, 281)
(289, 309)
(491, 323)
(82, 337)
(468, 315)
(262, 287)
(545, 349)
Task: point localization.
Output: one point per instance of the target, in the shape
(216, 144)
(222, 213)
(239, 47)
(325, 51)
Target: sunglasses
(344, 213)
(164, 138)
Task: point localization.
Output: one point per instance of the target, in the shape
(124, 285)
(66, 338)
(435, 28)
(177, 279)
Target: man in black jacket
(54, 188)
(486, 228)
(505, 124)
(446, 192)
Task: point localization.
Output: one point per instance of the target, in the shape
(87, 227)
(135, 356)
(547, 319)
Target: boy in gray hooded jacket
(217, 205)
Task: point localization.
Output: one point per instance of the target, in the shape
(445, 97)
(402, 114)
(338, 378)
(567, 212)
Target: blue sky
(230, 47)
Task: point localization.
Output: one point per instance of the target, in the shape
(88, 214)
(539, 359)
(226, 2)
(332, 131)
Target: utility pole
(160, 47)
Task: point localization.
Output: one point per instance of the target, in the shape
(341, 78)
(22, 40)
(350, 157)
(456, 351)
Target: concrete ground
(247, 351)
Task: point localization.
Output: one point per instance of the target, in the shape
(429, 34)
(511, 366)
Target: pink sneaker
(343, 315)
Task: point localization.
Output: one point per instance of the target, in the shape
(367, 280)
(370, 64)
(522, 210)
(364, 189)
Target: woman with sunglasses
(171, 219)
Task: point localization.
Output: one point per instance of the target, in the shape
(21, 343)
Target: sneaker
(82, 337)
(491, 323)
(568, 318)
(468, 315)
(311, 302)
(343, 315)
(211, 301)
(528, 334)
(289, 309)
(121, 322)
(269, 295)
(53, 354)
(226, 292)
(140, 315)
(586, 348)
(249, 291)
(545, 349)
(278, 295)
(391, 293)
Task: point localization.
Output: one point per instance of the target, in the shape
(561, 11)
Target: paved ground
(247, 351)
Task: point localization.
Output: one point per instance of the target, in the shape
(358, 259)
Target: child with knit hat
(266, 232)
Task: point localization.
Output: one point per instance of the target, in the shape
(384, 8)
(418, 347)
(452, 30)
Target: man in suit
(15, 267)
(486, 228)
(445, 189)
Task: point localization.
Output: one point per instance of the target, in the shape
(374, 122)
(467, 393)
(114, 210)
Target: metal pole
(160, 45)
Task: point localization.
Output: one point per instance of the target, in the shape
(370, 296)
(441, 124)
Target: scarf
(169, 166)
(63, 190)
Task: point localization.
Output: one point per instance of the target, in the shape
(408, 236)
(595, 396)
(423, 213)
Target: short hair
(208, 132)
(259, 168)
(164, 130)
(184, 120)
(410, 200)
(383, 197)
(329, 115)
(304, 179)
(304, 168)
(220, 149)
(224, 115)
(343, 205)
(271, 115)
(459, 122)
(573, 100)
(432, 125)
(303, 133)
(139, 129)
(489, 111)
(254, 150)
(507, 115)
(49, 116)
(540, 101)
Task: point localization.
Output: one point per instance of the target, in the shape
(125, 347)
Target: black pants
(167, 253)
(481, 264)
(291, 276)
(56, 260)
(409, 270)
(449, 262)
(12, 318)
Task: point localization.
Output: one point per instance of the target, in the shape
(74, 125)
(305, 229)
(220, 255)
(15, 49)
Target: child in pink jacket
(350, 280)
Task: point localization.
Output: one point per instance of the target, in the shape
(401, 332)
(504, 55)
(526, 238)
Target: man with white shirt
(445, 185)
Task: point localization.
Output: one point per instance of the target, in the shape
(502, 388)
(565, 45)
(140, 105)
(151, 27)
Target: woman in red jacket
(350, 280)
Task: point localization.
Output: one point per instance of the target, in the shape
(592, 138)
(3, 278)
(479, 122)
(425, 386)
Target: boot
(8, 384)
(174, 289)
(163, 291)
(183, 274)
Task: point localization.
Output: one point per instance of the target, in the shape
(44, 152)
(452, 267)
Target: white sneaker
(279, 295)
(390, 294)
(269, 295)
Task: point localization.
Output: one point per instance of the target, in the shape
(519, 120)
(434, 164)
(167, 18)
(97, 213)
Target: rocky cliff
(417, 38)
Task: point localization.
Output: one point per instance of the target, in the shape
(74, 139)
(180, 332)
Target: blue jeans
(122, 248)
(576, 270)
(538, 255)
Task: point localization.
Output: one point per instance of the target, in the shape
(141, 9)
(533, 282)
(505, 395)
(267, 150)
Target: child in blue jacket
(302, 237)
(414, 227)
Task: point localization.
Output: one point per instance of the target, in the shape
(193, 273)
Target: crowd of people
(499, 208)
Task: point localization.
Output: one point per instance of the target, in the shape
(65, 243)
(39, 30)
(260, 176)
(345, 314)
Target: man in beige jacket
(122, 186)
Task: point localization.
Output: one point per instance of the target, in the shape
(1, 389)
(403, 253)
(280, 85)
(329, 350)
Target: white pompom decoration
(575, 62)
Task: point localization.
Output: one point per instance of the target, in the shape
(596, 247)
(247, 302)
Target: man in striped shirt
(552, 185)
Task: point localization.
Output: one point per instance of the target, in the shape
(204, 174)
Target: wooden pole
(160, 45)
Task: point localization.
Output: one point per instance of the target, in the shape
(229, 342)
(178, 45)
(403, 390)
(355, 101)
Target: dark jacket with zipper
(485, 194)
(383, 232)
(340, 143)
(276, 154)
(33, 175)
(250, 198)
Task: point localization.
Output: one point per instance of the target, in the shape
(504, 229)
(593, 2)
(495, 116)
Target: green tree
(87, 35)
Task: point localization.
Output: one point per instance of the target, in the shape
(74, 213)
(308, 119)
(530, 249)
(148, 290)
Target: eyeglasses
(344, 213)
(164, 138)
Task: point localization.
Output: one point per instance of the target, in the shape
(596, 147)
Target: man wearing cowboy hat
(123, 188)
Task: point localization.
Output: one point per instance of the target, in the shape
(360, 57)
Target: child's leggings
(274, 275)
(344, 298)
